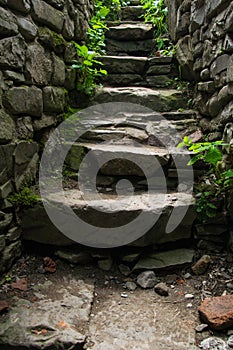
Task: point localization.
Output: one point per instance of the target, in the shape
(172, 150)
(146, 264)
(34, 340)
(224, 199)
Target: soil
(110, 306)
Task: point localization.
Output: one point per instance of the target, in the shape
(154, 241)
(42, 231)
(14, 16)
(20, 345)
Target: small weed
(25, 198)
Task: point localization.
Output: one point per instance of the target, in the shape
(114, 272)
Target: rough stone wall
(203, 33)
(36, 55)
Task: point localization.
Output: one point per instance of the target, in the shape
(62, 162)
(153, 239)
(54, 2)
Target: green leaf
(213, 155)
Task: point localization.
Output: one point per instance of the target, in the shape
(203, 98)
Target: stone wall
(36, 80)
(203, 33)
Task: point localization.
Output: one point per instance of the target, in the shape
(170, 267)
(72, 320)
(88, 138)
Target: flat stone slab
(164, 100)
(59, 319)
(124, 64)
(110, 211)
(133, 47)
(132, 13)
(218, 312)
(172, 259)
(127, 32)
(122, 159)
(140, 321)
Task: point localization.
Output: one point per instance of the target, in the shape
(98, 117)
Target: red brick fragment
(218, 312)
(49, 265)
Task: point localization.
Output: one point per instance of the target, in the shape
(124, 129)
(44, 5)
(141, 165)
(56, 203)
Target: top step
(132, 13)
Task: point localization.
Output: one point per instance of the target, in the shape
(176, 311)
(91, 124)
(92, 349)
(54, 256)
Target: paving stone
(172, 259)
(59, 313)
(218, 312)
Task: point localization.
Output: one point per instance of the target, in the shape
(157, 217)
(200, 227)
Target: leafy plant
(211, 189)
(156, 12)
(25, 197)
(97, 29)
(88, 69)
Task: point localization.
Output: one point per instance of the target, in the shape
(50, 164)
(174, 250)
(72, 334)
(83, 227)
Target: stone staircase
(134, 124)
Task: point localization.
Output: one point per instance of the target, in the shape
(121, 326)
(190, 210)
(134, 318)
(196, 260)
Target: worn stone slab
(136, 47)
(116, 152)
(132, 13)
(164, 100)
(218, 312)
(115, 323)
(109, 210)
(124, 64)
(123, 80)
(58, 319)
(172, 259)
(127, 32)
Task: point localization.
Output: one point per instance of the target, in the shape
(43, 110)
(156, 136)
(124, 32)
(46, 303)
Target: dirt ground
(123, 319)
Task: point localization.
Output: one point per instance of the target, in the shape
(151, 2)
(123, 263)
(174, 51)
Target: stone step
(163, 100)
(129, 47)
(132, 13)
(155, 81)
(124, 64)
(109, 211)
(130, 32)
(126, 129)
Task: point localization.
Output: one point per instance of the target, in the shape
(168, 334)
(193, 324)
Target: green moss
(50, 38)
(26, 197)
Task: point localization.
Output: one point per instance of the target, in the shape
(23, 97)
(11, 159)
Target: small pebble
(189, 305)
(189, 296)
(230, 342)
(187, 276)
(229, 285)
(162, 289)
(130, 286)
(201, 327)
(124, 295)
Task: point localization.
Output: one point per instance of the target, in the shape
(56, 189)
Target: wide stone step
(150, 214)
(124, 64)
(163, 100)
(133, 13)
(156, 81)
(128, 32)
(129, 47)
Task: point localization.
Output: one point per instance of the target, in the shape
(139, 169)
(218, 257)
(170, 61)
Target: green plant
(88, 70)
(156, 12)
(26, 197)
(211, 189)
